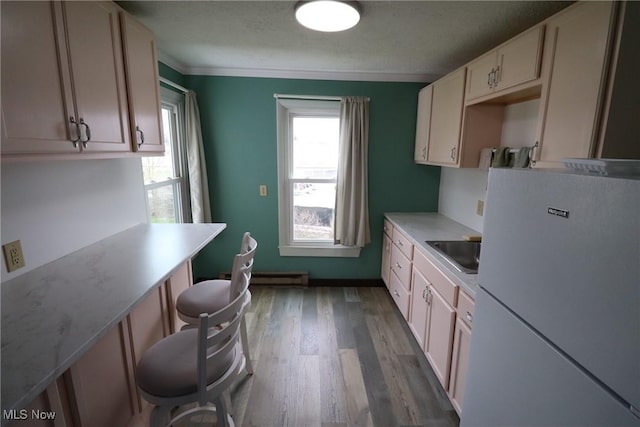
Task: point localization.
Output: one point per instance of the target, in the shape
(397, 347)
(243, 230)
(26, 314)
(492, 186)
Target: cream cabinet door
(479, 75)
(519, 59)
(446, 119)
(36, 95)
(438, 345)
(423, 123)
(419, 312)
(577, 41)
(98, 75)
(459, 362)
(63, 87)
(386, 259)
(143, 84)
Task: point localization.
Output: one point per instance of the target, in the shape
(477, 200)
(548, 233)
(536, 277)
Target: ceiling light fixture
(328, 15)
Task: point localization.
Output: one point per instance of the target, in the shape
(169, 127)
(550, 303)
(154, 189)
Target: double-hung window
(308, 147)
(164, 177)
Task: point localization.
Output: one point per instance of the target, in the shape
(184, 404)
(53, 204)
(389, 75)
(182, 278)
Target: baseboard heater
(274, 278)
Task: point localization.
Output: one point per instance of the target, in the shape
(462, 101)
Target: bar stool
(210, 295)
(197, 365)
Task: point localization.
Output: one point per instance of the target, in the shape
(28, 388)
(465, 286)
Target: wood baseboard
(299, 279)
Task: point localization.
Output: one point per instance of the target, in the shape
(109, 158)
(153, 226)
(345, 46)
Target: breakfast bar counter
(52, 315)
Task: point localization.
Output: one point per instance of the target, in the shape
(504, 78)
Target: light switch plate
(263, 190)
(480, 208)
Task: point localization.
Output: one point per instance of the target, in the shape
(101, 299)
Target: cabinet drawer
(403, 243)
(399, 295)
(465, 308)
(387, 228)
(438, 280)
(401, 266)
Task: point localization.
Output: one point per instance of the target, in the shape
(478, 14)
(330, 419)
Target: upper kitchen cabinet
(446, 119)
(590, 100)
(63, 87)
(142, 82)
(514, 63)
(574, 81)
(423, 123)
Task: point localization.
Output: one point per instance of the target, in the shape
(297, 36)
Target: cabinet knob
(399, 243)
(453, 153)
(469, 317)
(396, 294)
(398, 265)
(138, 130)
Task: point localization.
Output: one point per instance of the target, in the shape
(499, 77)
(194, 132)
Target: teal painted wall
(171, 74)
(238, 117)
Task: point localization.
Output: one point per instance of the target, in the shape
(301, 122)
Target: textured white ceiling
(395, 40)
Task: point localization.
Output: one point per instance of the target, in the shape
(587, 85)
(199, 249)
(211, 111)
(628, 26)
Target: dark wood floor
(331, 357)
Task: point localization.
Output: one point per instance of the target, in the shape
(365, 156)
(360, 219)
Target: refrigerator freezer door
(516, 378)
(563, 252)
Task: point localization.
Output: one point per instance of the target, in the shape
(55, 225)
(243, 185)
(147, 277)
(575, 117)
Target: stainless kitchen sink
(464, 256)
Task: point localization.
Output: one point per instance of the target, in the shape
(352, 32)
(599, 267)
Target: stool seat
(169, 367)
(208, 296)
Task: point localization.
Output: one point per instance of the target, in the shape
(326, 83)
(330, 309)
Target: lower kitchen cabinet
(386, 259)
(432, 316)
(461, 345)
(419, 308)
(439, 340)
(399, 294)
(459, 362)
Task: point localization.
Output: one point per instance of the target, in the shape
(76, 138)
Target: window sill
(337, 251)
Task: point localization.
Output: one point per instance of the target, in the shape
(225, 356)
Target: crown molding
(364, 76)
(312, 75)
(169, 60)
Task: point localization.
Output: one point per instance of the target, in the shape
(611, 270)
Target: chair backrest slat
(242, 264)
(219, 331)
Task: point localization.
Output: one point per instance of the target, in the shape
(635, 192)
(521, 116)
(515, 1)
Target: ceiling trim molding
(312, 75)
(169, 60)
(364, 76)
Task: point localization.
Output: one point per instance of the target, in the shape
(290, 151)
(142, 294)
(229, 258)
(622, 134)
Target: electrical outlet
(13, 255)
(263, 190)
(480, 208)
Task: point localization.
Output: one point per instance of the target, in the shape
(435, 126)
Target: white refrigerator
(556, 337)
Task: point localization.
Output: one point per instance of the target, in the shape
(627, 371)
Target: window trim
(175, 102)
(286, 110)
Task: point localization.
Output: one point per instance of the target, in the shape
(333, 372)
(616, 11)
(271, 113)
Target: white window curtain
(352, 204)
(198, 184)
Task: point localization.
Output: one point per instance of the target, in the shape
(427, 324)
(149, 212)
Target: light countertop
(52, 315)
(420, 227)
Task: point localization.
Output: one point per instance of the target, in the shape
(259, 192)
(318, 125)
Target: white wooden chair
(210, 295)
(198, 364)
